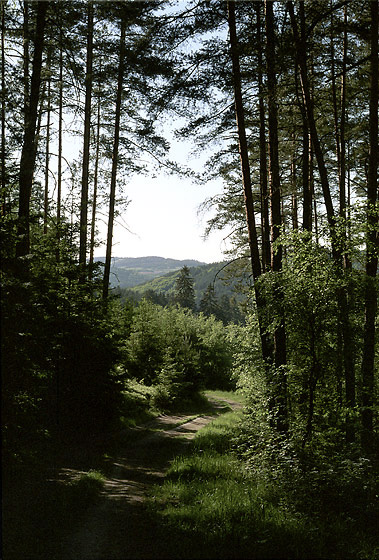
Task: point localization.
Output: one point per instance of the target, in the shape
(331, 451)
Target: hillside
(203, 275)
(127, 272)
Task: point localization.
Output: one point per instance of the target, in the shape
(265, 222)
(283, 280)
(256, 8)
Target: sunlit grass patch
(211, 496)
(217, 435)
(222, 395)
(88, 486)
(205, 466)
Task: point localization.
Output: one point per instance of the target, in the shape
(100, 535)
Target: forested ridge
(283, 96)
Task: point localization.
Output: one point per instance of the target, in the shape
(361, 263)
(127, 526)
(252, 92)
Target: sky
(163, 218)
(163, 214)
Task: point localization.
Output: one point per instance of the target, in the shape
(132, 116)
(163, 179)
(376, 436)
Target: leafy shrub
(177, 351)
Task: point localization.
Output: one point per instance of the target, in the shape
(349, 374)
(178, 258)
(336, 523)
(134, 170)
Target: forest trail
(118, 526)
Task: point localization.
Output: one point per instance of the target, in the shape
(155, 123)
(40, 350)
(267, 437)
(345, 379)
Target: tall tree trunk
(26, 60)
(246, 180)
(265, 221)
(343, 322)
(47, 154)
(307, 188)
(342, 172)
(60, 141)
(28, 154)
(280, 358)
(372, 244)
(339, 128)
(294, 205)
(112, 196)
(307, 193)
(349, 362)
(243, 149)
(3, 190)
(86, 145)
(311, 168)
(95, 181)
(302, 62)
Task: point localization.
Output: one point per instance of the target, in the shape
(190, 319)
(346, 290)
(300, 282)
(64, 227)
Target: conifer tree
(208, 303)
(184, 290)
(28, 154)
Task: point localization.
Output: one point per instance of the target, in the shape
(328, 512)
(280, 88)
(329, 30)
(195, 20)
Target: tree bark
(3, 97)
(60, 139)
(280, 352)
(265, 221)
(307, 192)
(246, 180)
(28, 154)
(86, 146)
(302, 62)
(112, 196)
(95, 182)
(26, 59)
(243, 148)
(294, 204)
(343, 322)
(372, 244)
(47, 154)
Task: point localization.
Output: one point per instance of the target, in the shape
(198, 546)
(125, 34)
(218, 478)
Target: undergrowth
(230, 507)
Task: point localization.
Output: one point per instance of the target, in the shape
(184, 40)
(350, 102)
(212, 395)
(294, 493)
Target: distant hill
(203, 275)
(127, 272)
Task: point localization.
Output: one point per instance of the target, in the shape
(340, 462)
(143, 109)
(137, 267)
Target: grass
(221, 509)
(87, 487)
(222, 395)
(40, 508)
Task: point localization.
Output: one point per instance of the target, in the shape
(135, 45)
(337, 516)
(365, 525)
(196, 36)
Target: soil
(119, 525)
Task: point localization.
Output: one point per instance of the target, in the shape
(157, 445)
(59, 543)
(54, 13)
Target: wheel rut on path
(118, 527)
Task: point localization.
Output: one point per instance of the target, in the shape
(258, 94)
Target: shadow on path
(118, 526)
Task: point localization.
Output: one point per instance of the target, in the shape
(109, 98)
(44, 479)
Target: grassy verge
(224, 396)
(41, 507)
(220, 509)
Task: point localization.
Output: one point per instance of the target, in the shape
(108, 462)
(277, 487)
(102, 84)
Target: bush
(177, 351)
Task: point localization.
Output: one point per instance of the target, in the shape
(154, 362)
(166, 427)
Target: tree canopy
(283, 99)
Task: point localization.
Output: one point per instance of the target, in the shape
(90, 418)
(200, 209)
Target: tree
(3, 94)
(28, 154)
(334, 230)
(263, 177)
(184, 290)
(280, 358)
(246, 178)
(86, 141)
(372, 243)
(208, 303)
(112, 195)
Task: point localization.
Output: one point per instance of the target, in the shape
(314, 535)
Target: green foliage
(88, 486)
(171, 384)
(184, 290)
(58, 350)
(228, 289)
(241, 492)
(177, 351)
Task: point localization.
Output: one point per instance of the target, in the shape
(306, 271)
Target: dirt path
(118, 526)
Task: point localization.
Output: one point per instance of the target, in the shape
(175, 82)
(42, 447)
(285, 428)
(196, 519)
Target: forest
(283, 97)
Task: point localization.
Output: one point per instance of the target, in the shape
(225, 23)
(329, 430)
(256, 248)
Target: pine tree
(208, 303)
(184, 290)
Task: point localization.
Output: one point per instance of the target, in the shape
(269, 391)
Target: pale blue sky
(163, 217)
(163, 220)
